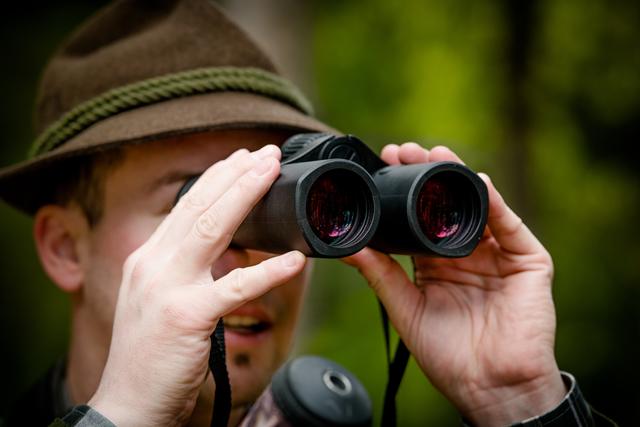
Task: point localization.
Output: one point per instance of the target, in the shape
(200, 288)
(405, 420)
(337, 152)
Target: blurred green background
(544, 96)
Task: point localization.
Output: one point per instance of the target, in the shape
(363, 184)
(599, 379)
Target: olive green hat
(142, 70)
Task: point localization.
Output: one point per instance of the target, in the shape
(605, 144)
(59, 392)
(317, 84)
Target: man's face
(138, 194)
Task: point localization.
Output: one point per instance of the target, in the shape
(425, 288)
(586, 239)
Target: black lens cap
(312, 391)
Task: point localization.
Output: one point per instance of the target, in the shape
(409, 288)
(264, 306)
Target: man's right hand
(169, 304)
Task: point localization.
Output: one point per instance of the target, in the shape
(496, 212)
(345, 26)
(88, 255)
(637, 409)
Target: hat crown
(134, 40)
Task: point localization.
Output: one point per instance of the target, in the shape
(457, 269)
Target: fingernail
(292, 259)
(262, 167)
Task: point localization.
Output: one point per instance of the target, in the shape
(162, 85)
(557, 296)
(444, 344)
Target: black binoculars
(334, 196)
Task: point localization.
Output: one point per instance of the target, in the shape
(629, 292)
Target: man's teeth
(241, 321)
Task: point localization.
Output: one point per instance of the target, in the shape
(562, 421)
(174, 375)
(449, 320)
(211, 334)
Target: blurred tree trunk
(520, 23)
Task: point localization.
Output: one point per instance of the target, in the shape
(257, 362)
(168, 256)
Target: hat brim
(22, 185)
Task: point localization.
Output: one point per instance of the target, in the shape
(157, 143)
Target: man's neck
(88, 353)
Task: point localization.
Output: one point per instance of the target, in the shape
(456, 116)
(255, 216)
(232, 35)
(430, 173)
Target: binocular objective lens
(332, 206)
(441, 207)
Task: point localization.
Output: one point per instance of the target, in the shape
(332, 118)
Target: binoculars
(334, 196)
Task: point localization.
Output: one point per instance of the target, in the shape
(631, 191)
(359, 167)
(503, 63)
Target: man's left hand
(482, 327)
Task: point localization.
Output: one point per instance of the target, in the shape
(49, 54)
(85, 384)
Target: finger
(245, 284)
(215, 180)
(176, 225)
(389, 154)
(178, 209)
(410, 153)
(207, 189)
(441, 153)
(390, 283)
(212, 231)
(507, 227)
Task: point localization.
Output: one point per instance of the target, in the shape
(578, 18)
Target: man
(148, 94)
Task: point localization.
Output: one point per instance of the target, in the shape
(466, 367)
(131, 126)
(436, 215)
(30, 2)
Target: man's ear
(57, 231)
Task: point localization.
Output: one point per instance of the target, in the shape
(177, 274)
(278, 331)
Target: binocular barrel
(323, 208)
(437, 209)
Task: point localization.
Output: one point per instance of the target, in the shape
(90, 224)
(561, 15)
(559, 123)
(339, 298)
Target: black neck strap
(396, 369)
(218, 366)
(222, 400)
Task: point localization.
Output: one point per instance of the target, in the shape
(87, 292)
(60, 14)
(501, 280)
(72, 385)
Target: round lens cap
(312, 391)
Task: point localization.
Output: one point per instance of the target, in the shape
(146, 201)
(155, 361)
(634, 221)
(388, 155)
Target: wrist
(511, 404)
(119, 413)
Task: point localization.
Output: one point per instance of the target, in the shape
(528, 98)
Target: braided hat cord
(163, 88)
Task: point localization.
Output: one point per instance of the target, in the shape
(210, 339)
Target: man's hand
(169, 303)
(482, 327)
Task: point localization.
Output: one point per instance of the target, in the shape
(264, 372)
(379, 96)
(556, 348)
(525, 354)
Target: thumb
(391, 284)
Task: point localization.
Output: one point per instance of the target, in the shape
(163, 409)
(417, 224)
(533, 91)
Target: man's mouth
(245, 324)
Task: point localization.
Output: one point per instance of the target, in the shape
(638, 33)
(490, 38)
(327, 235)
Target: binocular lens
(336, 203)
(446, 207)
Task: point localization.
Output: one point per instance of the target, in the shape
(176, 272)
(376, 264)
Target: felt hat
(142, 70)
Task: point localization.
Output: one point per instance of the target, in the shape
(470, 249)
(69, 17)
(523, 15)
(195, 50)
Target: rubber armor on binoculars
(335, 195)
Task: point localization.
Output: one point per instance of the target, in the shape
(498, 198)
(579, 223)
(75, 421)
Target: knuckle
(514, 224)
(384, 276)
(140, 271)
(209, 226)
(248, 184)
(547, 261)
(130, 263)
(135, 267)
(239, 164)
(194, 201)
(388, 268)
(235, 284)
(172, 313)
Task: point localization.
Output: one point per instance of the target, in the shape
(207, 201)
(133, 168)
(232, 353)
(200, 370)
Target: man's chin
(248, 382)
(251, 362)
